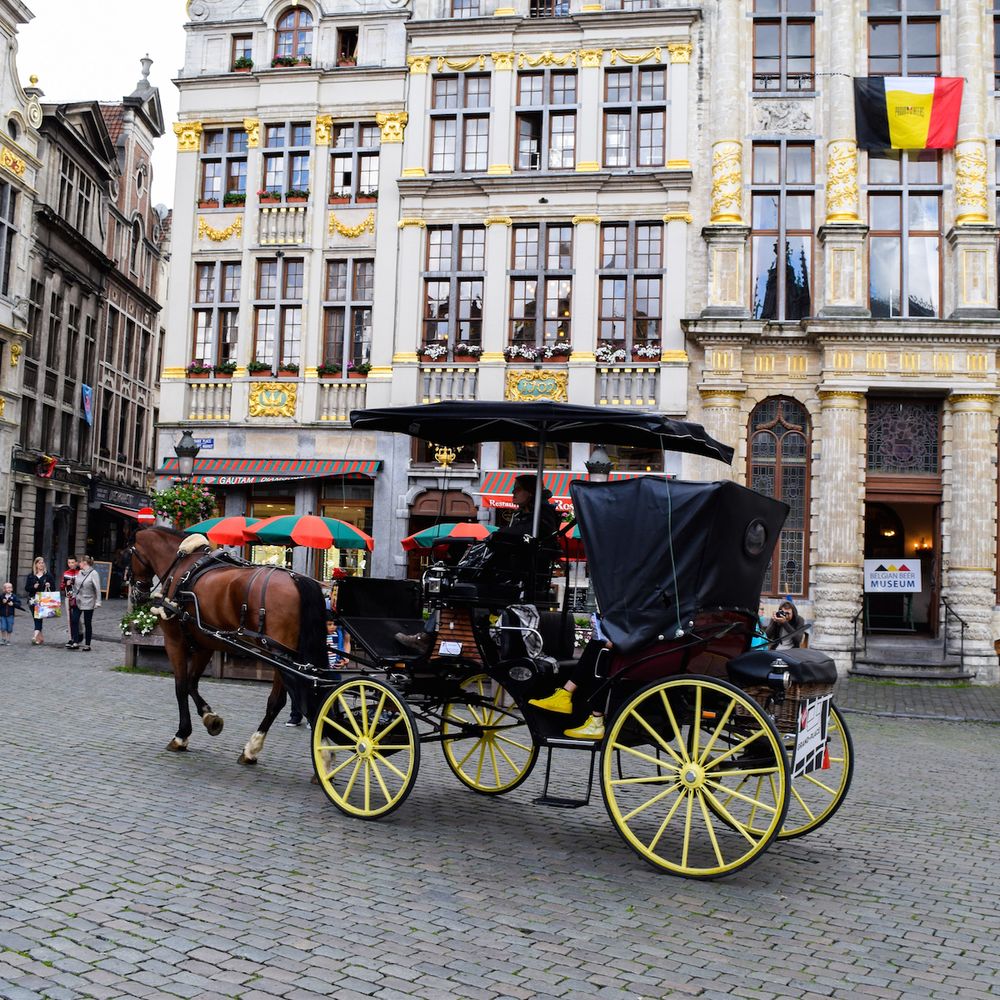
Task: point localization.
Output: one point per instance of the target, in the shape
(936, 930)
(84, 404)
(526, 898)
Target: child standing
(9, 601)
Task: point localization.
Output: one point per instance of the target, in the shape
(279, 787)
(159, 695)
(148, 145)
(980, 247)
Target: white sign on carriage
(887, 576)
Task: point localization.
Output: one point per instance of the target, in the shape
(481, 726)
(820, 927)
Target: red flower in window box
(268, 196)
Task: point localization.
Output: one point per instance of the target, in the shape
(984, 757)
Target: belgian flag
(907, 112)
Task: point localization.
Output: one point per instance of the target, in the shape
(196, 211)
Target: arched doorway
(430, 508)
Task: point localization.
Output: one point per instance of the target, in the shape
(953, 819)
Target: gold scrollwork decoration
(531, 386)
(252, 126)
(498, 220)
(547, 58)
(352, 232)
(392, 124)
(419, 65)
(503, 60)
(590, 58)
(411, 221)
(634, 58)
(970, 182)
(680, 52)
(324, 129)
(842, 181)
(188, 136)
(727, 181)
(578, 219)
(460, 65)
(205, 231)
(272, 399)
(15, 354)
(3, 405)
(12, 163)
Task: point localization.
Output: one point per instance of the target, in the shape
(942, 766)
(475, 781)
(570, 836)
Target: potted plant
(198, 369)
(140, 620)
(183, 504)
(242, 64)
(556, 353)
(368, 196)
(468, 352)
(289, 369)
(224, 369)
(650, 351)
(303, 61)
(434, 351)
(330, 369)
(359, 369)
(297, 195)
(259, 368)
(266, 195)
(522, 352)
(280, 61)
(339, 198)
(234, 198)
(608, 353)
(346, 60)
(211, 202)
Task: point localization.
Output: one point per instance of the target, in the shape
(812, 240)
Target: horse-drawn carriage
(712, 749)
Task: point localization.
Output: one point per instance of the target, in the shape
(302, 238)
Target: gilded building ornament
(188, 136)
(680, 52)
(392, 124)
(498, 220)
(15, 354)
(587, 167)
(500, 170)
(414, 172)
(547, 58)
(578, 219)
(678, 217)
(842, 181)
(3, 405)
(591, 57)
(634, 58)
(970, 182)
(352, 232)
(272, 399)
(503, 60)
(205, 231)
(12, 163)
(460, 65)
(727, 181)
(324, 129)
(531, 386)
(411, 221)
(252, 126)
(419, 65)
(674, 357)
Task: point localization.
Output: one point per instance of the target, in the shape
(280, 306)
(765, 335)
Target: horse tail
(312, 622)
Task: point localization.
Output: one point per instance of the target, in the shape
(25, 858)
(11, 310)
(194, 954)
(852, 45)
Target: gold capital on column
(252, 125)
(722, 397)
(972, 401)
(727, 181)
(324, 129)
(848, 399)
(188, 136)
(418, 64)
(392, 124)
(680, 52)
(591, 57)
(970, 182)
(842, 181)
(503, 60)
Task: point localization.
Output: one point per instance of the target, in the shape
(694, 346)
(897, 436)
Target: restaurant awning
(247, 471)
(132, 512)
(497, 489)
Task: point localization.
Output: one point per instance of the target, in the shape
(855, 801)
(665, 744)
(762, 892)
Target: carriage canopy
(660, 550)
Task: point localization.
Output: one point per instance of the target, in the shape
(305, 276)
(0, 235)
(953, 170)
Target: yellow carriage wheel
(678, 750)
(500, 754)
(365, 748)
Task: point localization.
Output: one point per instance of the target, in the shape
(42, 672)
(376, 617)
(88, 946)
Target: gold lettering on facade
(843, 361)
(977, 364)
(722, 361)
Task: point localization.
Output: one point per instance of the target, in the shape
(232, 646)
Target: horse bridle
(141, 591)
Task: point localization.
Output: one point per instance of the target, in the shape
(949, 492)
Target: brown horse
(274, 610)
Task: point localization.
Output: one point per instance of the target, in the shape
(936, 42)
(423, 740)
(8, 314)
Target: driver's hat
(529, 484)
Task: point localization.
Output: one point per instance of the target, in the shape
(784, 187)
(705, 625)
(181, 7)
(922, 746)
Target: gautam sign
(892, 576)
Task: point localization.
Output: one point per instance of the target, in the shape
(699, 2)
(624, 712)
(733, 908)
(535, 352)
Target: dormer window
(293, 36)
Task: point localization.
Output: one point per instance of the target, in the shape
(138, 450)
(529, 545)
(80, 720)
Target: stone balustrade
(281, 225)
(448, 382)
(628, 385)
(337, 397)
(209, 399)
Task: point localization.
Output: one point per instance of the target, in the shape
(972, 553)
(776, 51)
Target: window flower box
(347, 61)
(235, 198)
(208, 202)
(468, 353)
(259, 368)
(288, 369)
(646, 352)
(225, 370)
(434, 352)
(368, 197)
(610, 354)
(242, 65)
(296, 196)
(339, 199)
(359, 370)
(198, 369)
(268, 196)
(330, 369)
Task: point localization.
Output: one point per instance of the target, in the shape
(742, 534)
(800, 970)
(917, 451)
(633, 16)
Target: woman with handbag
(37, 581)
(87, 590)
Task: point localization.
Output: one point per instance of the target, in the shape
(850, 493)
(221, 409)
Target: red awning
(497, 489)
(132, 512)
(246, 471)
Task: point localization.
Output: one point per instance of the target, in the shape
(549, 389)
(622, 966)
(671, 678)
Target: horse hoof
(244, 759)
(213, 723)
(176, 746)
(314, 780)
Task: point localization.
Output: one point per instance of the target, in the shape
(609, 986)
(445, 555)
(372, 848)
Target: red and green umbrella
(447, 534)
(223, 530)
(571, 542)
(310, 530)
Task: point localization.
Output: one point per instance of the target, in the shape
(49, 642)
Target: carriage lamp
(186, 451)
(599, 464)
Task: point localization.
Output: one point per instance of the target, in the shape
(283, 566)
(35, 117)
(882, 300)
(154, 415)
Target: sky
(90, 50)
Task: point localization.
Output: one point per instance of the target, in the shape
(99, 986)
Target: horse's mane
(176, 533)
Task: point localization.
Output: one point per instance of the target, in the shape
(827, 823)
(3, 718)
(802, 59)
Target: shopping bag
(48, 604)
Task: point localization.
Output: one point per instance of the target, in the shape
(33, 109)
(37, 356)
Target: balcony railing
(628, 385)
(209, 399)
(281, 225)
(448, 382)
(338, 397)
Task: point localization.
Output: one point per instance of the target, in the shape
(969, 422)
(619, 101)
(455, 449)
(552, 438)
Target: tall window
(908, 43)
(76, 194)
(541, 284)
(996, 51)
(904, 436)
(782, 218)
(460, 123)
(293, 34)
(223, 163)
(631, 283)
(465, 8)
(56, 303)
(546, 120)
(347, 311)
(216, 311)
(453, 286)
(635, 115)
(783, 45)
(286, 157)
(242, 51)
(277, 324)
(8, 230)
(355, 161)
(904, 242)
(779, 468)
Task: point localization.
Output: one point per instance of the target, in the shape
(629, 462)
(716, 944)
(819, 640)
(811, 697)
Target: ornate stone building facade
(847, 331)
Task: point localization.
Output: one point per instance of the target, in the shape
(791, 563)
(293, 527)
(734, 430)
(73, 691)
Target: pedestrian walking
(9, 603)
(38, 581)
(88, 597)
(72, 611)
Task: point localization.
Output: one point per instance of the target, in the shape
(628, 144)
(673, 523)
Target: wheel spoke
(377, 714)
(364, 710)
(472, 750)
(682, 758)
(654, 779)
(385, 732)
(354, 777)
(389, 764)
(718, 731)
(742, 828)
(631, 751)
(802, 802)
(652, 800)
(666, 821)
(503, 753)
(736, 749)
(696, 723)
(819, 784)
(381, 781)
(743, 798)
(687, 830)
(350, 715)
(526, 747)
(368, 787)
(711, 831)
(493, 761)
(340, 767)
(340, 729)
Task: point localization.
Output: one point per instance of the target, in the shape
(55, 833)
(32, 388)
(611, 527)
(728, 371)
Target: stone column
(502, 151)
(721, 414)
(837, 518)
(588, 139)
(417, 102)
(677, 111)
(970, 519)
(405, 373)
(583, 333)
(492, 365)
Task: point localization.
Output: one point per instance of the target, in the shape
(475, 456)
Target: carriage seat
(806, 666)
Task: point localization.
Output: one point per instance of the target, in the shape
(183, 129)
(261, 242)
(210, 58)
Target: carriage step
(560, 801)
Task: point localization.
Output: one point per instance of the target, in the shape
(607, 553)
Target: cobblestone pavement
(129, 871)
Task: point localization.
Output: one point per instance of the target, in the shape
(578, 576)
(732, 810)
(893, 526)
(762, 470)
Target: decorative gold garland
(548, 58)
(235, 228)
(639, 57)
(352, 232)
(460, 65)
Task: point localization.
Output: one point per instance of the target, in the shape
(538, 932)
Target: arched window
(294, 32)
(779, 467)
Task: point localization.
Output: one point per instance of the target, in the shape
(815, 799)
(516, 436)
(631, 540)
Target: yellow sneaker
(592, 729)
(559, 701)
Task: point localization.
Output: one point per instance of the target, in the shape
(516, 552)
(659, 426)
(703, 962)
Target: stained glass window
(903, 436)
(779, 467)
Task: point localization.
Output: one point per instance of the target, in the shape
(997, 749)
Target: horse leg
(275, 703)
(177, 652)
(200, 658)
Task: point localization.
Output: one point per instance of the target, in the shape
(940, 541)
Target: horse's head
(139, 570)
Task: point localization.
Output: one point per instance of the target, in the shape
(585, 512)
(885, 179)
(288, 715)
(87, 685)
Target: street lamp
(186, 451)
(599, 465)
